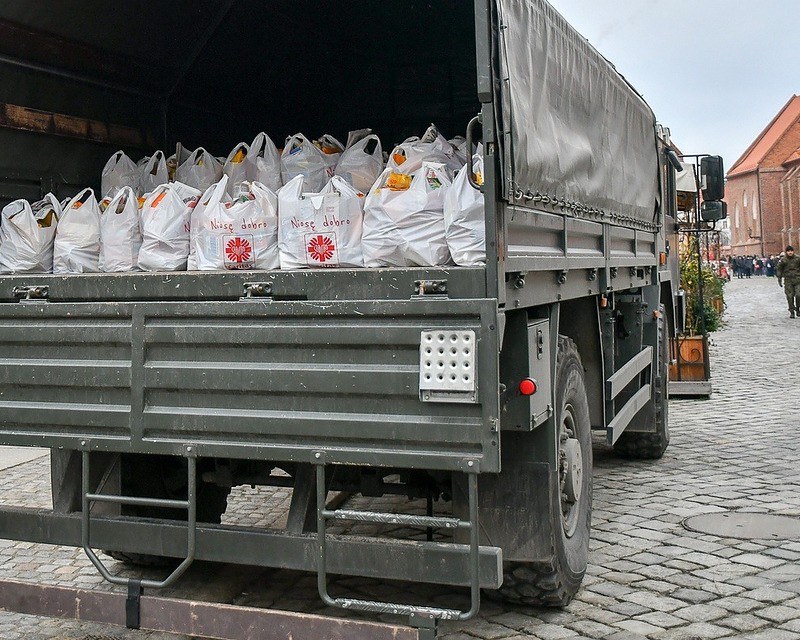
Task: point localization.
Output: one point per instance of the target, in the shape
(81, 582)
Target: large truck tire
(651, 445)
(555, 582)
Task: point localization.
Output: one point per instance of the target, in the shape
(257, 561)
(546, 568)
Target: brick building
(763, 188)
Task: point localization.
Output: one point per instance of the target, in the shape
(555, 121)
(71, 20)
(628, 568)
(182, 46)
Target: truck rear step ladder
(616, 383)
(422, 617)
(136, 587)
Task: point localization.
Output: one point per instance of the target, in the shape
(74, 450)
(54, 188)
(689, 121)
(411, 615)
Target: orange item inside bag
(330, 150)
(398, 158)
(239, 156)
(398, 181)
(478, 177)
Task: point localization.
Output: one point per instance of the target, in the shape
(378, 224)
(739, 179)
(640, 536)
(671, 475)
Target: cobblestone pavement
(648, 577)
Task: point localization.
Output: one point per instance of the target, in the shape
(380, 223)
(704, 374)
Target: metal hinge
(257, 290)
(31, 293)
(430, 288)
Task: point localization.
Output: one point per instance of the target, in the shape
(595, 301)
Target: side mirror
(713, 210)
(713, 175)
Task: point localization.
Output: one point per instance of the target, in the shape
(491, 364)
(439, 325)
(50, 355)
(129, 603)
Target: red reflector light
(527, 387)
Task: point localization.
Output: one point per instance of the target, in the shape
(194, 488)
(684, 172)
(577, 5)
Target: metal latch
(257, 290)
(40, 292)
(436, 288)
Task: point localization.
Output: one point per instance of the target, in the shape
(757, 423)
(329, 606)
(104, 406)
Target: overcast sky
(714, 71)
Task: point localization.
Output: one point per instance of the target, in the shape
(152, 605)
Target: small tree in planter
(695, 307)
(690, 350)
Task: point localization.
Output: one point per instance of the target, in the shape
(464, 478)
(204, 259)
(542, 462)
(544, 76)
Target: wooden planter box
(689, 356)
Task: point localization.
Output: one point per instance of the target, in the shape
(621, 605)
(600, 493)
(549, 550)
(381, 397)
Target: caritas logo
(238, 252)
(321, 250)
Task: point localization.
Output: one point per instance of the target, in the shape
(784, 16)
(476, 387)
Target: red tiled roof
(767, 138)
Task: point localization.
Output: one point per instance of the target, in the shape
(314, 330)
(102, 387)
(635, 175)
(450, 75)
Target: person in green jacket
(788, 273)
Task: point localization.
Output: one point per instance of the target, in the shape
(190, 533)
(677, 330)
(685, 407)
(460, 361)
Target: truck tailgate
(254, 379)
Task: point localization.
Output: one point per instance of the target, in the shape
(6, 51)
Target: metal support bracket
(133, 605)
(31, 293)
(257, 290)
(430, 288)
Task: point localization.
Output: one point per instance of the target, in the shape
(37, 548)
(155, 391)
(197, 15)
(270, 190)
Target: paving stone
(591, 629)
(628, 609)
(695, 596)
(694, 631)
(767, 594)
(759, 560)
(701, 613)
(654, 601)
(772, 634)
(639, 626)
(777, 613)
(737, 604)
(550, 632)
(743, 622)
(661, 619)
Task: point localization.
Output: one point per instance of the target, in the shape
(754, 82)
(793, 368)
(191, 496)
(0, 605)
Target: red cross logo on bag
(321, 248)
(238, 250)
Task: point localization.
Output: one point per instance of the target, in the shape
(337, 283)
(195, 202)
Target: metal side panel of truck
(475, 387)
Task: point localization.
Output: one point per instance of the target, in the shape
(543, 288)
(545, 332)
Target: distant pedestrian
(770, 267)
(789, 277)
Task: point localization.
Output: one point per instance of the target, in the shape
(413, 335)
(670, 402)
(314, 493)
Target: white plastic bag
(264, 163)
(120, 171)
(332, 149)
(27, 233)
(355, 136)
(235, 168)
(320, 229)
(459, 143)
(464, 219)
(77, 245)
(362, 163)
(432, 147)
(197, 211)
(405, 228)
(120, 235)
(200, 171)
(301, 157)
(242, 234)
(166, 213)
(153, 173)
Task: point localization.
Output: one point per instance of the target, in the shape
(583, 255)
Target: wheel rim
(570, 471)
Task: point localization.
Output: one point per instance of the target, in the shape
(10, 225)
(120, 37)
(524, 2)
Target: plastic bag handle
(470, 164)
(155, 160)
(126, 192)
(259, 145)
(219, 191)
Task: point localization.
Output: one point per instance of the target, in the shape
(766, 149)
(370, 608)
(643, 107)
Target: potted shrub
(690, 349)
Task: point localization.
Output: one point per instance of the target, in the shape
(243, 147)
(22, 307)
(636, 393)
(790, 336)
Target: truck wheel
(555, 582)
(651, 445)
(165, 477)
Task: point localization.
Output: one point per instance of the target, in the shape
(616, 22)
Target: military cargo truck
(159, 392)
